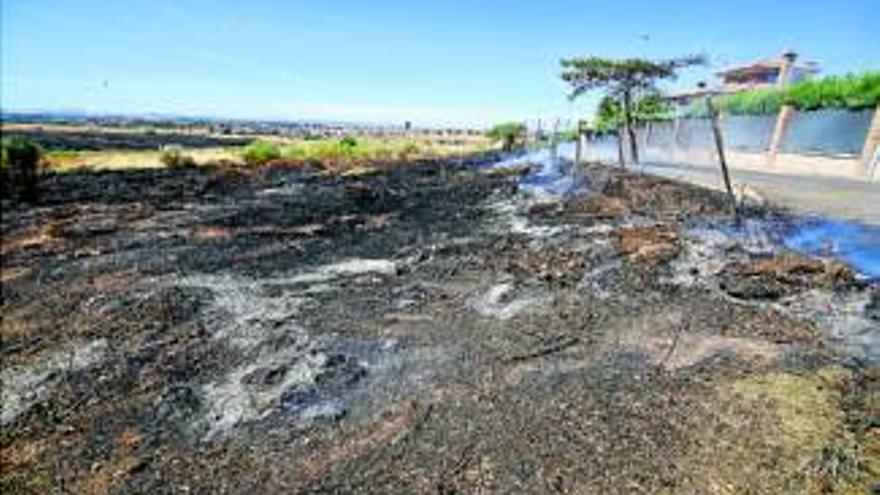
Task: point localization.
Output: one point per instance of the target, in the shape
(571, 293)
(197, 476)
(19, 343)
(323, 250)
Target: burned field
(426, 330)
(89, 140)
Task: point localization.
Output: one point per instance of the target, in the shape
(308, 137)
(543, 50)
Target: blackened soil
(425, 330)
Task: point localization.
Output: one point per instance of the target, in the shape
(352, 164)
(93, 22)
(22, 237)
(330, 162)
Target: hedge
(850, 92)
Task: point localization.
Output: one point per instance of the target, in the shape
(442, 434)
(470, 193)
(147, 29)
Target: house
(766, 73)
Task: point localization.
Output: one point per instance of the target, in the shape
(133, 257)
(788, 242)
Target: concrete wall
(827, 143)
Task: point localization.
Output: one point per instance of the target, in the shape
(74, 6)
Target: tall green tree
(623, 81)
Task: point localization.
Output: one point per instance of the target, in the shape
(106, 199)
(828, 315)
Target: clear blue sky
(431, 61)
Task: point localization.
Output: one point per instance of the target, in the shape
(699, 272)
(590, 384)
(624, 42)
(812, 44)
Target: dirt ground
(431, 329)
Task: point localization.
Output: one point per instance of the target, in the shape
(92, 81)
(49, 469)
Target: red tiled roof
(767, 63)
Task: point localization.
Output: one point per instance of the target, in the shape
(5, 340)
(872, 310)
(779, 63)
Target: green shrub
(348, 142)
(851, 92)
(609, 115)
(20, 168)
(260, 152)
(650, 107)
(294, 153)
(409, 150)
(511, 135)
(327, 151)
(173, 157)
(757, 102)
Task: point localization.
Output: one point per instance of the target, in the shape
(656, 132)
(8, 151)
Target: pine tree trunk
(628, 125)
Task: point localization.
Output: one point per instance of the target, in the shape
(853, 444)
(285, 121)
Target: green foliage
(348, 142)
(609, 115)
(757, 102)
(619, 77)
(648, 108)
(651, 107)
(20, 168)
(851, 92)
(625, 80)
(511, 135)
(260, 152)
(348, 152)
(173, 157)
(409, 150)
(567, 135)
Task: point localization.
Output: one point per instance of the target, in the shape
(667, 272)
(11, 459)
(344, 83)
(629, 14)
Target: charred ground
(429, 329)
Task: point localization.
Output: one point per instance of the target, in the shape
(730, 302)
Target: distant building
(764, 73)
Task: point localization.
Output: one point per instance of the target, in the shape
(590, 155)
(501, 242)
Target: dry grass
(130, 159)
(810, 440)
(356, 163)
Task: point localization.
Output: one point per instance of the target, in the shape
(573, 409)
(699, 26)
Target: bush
(260, 152)
(852, 92)
(348, 142)
(511, 135)
(650, 107)
(409, 151)
(173, 157)
(20, 168)
(757, 102)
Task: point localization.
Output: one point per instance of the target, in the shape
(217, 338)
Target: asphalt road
(829, 196)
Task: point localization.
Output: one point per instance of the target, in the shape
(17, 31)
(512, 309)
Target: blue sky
(434, 62)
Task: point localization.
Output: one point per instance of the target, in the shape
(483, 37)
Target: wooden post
(872, 142)
(719, 146)
(553, 143)
(581, 141)
(620, 157)
(676, 130)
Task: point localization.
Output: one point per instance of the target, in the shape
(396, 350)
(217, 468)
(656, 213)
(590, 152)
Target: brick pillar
(872, 141)
(786, 112)
(782, 122)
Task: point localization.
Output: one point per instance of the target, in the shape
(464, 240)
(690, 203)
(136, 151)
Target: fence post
(719, 147)
(676, 130)
(581, 141)
(872, 141)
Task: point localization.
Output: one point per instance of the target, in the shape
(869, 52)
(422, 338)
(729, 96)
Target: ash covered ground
(430, 329)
